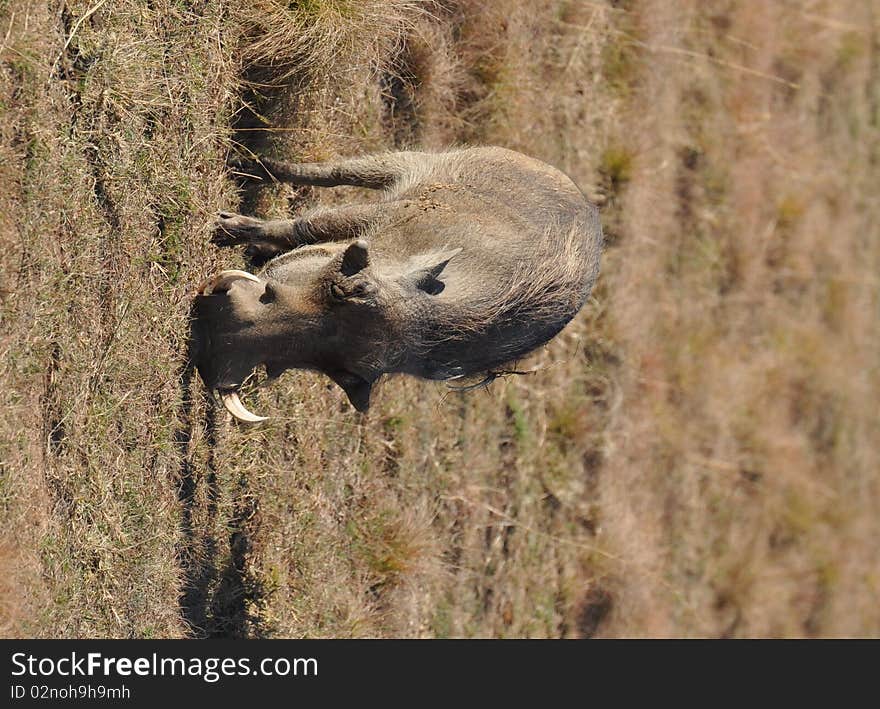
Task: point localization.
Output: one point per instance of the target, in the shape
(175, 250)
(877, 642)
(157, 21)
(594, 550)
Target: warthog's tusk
(224, 279)
(236, 408)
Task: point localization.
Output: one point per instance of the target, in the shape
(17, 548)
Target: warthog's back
(529, 254)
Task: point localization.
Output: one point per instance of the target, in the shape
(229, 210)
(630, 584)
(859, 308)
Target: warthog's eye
(337, 292)
(352, 292)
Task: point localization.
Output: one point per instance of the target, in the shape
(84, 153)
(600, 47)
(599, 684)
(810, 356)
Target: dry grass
(698, 452)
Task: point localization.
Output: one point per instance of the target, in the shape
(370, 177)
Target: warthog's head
(322, 308)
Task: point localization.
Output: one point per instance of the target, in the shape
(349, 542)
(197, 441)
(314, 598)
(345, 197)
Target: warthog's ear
(427, 278)
(355, 258)
(356, 389)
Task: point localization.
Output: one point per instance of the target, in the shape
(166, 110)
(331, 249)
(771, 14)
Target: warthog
(471, 259)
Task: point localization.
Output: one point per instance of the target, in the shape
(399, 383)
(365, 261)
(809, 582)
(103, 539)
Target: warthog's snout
(219, 318)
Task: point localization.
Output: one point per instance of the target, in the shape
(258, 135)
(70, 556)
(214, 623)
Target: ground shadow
(252, 131)
(213, 603)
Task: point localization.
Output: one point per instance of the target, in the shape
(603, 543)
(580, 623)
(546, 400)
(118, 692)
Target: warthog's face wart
(315, 309)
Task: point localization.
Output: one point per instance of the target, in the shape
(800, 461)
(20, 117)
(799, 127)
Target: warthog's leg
(373, 171)
(278, 235)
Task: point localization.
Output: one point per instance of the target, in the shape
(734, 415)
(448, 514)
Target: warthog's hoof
(233, 229)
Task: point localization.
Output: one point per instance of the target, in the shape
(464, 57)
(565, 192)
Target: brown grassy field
(698, 452)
